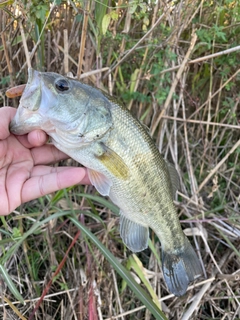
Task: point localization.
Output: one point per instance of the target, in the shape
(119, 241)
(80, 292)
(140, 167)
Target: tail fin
(180, 267)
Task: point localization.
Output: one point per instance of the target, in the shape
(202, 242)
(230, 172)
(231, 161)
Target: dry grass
(192, 108)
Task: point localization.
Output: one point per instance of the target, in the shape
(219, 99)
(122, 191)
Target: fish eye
(62, 85)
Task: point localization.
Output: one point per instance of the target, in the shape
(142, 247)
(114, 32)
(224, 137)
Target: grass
(177, 69)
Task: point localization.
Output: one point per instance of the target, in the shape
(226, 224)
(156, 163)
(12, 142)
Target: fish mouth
(15, 128)
(24, 122)
(27, 117)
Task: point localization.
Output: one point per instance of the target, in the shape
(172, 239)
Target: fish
(122, 161)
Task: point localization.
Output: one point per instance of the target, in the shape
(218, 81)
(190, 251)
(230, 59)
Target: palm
(24, 170)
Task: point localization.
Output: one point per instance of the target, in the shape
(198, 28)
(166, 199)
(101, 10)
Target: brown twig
(66, 48)
(27, 56)
(83, 38)
(200, 59)
(175, 82)
(9, 64)
(202, 122)
(136, 45)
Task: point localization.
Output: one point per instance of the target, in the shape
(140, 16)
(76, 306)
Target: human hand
(25, 173)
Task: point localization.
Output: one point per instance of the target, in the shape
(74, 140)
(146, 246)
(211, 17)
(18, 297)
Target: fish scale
(122, 160)
(145, 170)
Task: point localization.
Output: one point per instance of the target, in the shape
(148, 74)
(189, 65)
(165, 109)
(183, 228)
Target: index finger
(6, 115)
(47, 154)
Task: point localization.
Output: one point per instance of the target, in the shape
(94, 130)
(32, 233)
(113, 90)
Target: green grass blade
(154, 251)
(10, 284)
(36, 226)
(101, 200)
(137, 266)
(228, 241)
(123, 272)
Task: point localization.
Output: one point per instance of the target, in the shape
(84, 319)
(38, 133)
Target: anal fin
(134, 235)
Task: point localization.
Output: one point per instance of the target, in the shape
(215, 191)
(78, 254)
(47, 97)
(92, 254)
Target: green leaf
(6, 3)
(133, 7)
(105, 23)
(100, 11)
(134, 77)
(114, 15)
(16, 233)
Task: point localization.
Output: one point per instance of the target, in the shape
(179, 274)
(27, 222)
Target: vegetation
(176, 66)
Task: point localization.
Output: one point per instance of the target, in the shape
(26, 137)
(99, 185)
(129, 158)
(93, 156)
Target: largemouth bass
(122, 160)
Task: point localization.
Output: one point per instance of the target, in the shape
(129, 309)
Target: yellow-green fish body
(122, 160)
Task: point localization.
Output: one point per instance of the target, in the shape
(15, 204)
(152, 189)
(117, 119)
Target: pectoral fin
(100, 182)
(112, 161)
(134, 235)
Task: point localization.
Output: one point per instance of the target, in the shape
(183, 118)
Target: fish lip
(23, 122)
(32, 91)
(13, 126)
(17, 129)
(26, 118)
